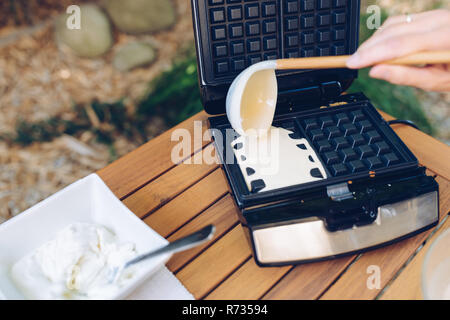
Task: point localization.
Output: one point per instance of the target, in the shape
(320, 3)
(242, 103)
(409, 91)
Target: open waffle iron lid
(234, 34)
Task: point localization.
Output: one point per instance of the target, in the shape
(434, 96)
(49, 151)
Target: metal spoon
(185, 243)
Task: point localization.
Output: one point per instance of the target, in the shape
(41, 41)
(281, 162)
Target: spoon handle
(312, 63)
(184, 243)
(426, 57)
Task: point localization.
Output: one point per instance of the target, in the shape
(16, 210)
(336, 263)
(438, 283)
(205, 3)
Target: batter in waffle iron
(276, 160)
(269, 157)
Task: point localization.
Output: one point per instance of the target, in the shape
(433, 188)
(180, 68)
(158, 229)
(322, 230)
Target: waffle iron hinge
(350, 210)
(331, 90)
(339, 192)
(308, 96)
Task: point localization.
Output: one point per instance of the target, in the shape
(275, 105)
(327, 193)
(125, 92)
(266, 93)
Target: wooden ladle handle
(426, 57)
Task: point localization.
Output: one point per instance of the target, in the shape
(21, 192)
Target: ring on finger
(408, 18)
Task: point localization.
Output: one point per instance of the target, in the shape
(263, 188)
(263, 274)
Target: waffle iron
(374, 193)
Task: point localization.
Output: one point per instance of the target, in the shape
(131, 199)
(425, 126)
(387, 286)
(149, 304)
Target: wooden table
(177, 199)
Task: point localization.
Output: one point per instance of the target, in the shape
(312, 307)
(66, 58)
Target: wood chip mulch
(38, 80)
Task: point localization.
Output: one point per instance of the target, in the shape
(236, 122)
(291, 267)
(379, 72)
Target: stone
(141, 16)
(133, 55)
(94, 37)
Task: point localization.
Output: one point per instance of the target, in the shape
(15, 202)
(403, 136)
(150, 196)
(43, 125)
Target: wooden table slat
(248, 276)
(187, 205)
(308, 281)
(205, 272)
(167, 186)
(408, 284)
(222, 215)
(142, 165)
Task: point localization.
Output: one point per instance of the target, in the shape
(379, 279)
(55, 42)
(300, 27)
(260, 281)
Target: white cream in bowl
(74, 265)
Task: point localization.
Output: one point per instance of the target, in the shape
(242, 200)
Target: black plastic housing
(370, 193)
(271, 29)
(385, 170)
(245, 198)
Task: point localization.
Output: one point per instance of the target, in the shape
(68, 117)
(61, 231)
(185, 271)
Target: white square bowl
(88, 200)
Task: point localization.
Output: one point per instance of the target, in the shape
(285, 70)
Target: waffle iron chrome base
(310, 240)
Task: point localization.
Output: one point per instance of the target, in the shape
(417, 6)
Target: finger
(428, 78)
(426, 21)
(422, 17)
(390, 24)
(398, 29)
(398, 46)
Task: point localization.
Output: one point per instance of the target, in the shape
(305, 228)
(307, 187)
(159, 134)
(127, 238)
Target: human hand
(427, 31)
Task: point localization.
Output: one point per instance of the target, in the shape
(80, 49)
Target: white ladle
(252, 97)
